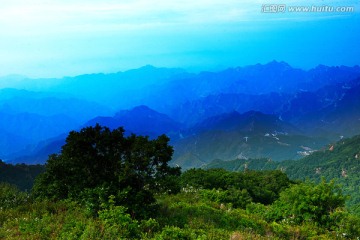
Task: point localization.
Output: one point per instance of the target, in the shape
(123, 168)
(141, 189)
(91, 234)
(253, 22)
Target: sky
(56, 38)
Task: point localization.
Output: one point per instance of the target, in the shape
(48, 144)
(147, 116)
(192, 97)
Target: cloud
(34, 17)
(38, 17)
(38, 33)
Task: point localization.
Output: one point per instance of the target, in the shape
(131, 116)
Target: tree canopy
(263, 187)
(97, 162)
(310, 202)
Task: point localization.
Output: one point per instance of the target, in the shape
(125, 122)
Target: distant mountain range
(271, 110)
(242, 136)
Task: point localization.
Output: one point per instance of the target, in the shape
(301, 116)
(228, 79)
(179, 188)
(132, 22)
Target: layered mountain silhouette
(251, 122)
(140, 120)
(265, 110)
(249, 135)
(333, 109)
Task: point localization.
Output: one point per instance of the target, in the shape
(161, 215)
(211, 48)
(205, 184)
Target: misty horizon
(63, 38)
(191, 70)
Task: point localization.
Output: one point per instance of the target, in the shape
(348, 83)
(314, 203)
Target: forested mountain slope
(339, 160)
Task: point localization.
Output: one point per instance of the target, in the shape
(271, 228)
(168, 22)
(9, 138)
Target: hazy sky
(57, 38)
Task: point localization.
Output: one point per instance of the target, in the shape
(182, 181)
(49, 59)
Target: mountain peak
(280, 63)
(140, 120)
(253, 113)
(142, 108)
(148, 67)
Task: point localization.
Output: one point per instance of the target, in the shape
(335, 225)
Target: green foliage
(303, 211)
(11, 196)
(237, 198)
(171, 232)
(208, 179)
(149, 228)
(43, 220)
(94, 198)
(97, 162)
(307, 202)
(20, 175)
(263, 187)
(347, 225)
(118, 224)
(190, 210)
(340, 162)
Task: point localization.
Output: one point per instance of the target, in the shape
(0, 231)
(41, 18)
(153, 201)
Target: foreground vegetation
(106, 185)
(301, 211)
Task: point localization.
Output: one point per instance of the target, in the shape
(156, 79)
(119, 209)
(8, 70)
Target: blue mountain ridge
(216, 109)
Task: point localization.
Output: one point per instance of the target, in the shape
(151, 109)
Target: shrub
(307, 202)
(11, 196)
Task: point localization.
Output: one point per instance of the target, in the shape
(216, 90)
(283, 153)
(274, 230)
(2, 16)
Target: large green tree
(97, 162)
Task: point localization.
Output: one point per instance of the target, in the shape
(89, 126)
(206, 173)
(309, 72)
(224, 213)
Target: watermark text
(282, 8)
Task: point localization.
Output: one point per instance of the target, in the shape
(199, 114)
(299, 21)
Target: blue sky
(70, 37)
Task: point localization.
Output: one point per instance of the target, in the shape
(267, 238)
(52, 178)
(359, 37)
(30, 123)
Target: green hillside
(340, 161)
(21, 175)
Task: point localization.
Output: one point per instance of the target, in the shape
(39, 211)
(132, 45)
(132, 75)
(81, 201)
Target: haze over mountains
(272, 110)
